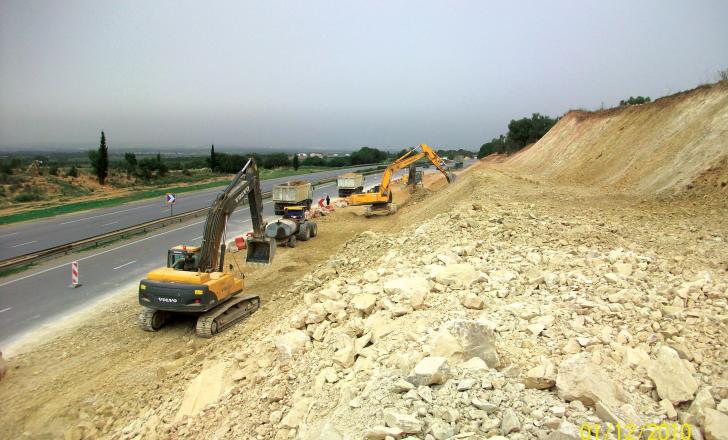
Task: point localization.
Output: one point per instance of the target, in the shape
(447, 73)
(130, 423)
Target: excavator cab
(183, 257)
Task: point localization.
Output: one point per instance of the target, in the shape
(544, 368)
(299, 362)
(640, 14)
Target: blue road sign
(171, 198)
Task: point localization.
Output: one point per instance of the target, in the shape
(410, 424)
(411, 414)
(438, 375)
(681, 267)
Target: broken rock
(457, 275)
(540, 377)
(403, 422)
(715, 425)
(290, 344)
(566, 431)
(345, 352)
(672, 377)
(510, 422)
(364, 303)
(382, 432)
(463, 339)
(473, 301)
(406, 286)
(295, 415)
(430, 370)
(204, 389)
(581, 379)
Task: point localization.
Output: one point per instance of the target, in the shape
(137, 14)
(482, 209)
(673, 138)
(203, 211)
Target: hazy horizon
(334, 76)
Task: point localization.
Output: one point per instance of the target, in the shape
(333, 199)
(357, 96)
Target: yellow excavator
(379, 198)
(195, 280)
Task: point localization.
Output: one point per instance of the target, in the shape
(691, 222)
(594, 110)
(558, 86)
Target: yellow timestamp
(630, 431)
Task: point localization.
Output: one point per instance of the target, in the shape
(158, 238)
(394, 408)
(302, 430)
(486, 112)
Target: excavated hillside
(670, 145)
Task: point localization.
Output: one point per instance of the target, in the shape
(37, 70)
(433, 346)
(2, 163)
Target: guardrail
(78, 245)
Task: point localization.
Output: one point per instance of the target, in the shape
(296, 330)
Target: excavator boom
(260, 250)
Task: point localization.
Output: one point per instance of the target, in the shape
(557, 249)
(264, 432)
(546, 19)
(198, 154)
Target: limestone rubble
(492, 324)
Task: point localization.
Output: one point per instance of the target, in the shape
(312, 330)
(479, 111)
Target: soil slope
(671, 144)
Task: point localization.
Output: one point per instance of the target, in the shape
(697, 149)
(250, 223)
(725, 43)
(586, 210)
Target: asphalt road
(40, 295)
(23, 238)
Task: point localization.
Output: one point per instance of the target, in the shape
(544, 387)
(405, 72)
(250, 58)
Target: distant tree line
(146, 168)
(633, 101)
(232, 163)
(452, 154)
(521, 132)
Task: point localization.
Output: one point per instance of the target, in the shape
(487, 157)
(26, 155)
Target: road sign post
(171, 200)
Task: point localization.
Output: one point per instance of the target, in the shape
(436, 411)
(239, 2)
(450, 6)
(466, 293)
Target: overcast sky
(335, 74)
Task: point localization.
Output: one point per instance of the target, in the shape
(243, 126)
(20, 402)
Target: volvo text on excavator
(195, 280)
(379, 198)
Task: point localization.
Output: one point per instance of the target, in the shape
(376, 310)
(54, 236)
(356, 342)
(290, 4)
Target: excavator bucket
(450, 176)
(260, 251)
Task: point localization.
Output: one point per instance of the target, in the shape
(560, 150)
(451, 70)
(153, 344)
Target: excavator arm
(407, 159)
(245, 183)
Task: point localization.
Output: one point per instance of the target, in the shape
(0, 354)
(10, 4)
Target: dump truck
(293, 193)
(350, 183)
(292, 227)
(458, 162)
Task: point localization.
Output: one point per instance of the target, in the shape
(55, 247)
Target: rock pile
(482, 322)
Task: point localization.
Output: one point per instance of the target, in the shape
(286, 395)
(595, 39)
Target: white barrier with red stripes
(74, 275)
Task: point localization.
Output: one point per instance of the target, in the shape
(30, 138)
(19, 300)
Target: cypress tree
(102, 160)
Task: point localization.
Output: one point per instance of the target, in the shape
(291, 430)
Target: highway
(23, 238)
(37, 296)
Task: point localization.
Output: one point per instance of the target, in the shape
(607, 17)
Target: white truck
(293, 193)
(350, 183)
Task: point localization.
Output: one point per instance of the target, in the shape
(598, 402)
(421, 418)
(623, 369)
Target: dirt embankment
(672, 144)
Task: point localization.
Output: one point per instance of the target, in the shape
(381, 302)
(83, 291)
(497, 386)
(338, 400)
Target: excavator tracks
(227, 314)
(151, 320)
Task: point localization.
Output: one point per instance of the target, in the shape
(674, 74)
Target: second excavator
(195, 280)
(379, 198)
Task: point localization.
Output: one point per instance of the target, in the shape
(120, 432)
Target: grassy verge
(14, 270)
(141, 195)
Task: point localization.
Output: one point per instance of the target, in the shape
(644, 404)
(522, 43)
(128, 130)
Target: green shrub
(72, 172)
(634, 101)
(31, 196)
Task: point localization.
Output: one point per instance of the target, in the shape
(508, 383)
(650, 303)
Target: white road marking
(109, 224)
(324, 186)
(8, 235)
(99, 253)
(125, 264)
(102, 215)
(27, 242)
(197, 238)
(5, 309)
